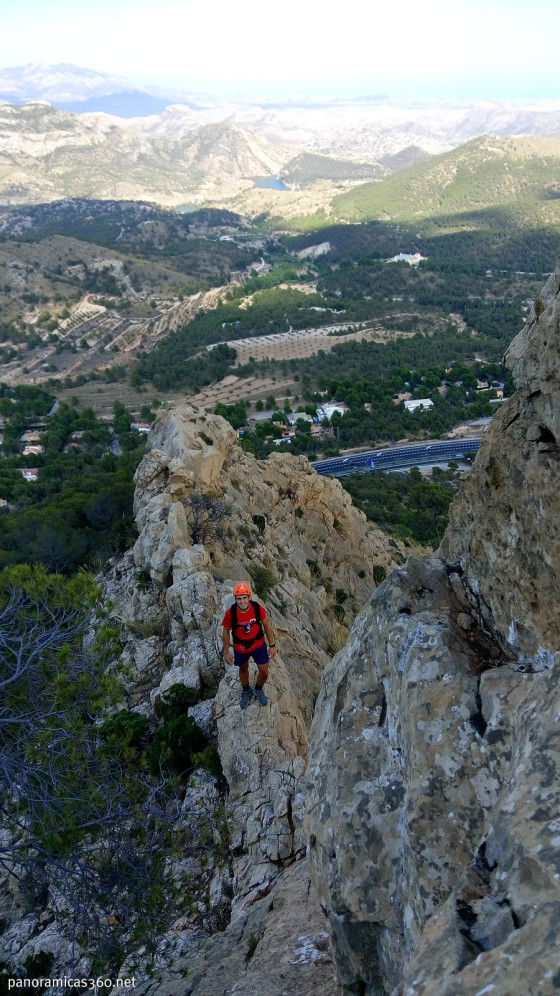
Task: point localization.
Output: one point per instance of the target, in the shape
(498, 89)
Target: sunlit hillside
(515, 179)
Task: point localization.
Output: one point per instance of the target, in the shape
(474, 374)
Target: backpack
(234, 624)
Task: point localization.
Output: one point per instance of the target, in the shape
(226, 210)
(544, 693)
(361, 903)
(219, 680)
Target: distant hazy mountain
(83, 91)
(493, 117)
(176, 121)
(217, 152)
(58, 83)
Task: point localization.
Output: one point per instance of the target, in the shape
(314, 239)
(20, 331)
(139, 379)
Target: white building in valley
(411, 406)
(412, 258)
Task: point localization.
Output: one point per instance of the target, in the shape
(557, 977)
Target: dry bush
(338, 638)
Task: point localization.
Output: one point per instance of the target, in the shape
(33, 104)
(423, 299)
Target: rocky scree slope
(434, 772)
(257, 926)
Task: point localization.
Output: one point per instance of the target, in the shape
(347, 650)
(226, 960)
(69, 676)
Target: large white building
(411, 406)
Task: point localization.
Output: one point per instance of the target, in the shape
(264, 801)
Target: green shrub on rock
(175, 702)
(379, 573)
(263, 579)
(124, 735)
(209, 758)
(174, 744)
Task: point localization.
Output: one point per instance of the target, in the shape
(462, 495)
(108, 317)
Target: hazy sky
(493, 48)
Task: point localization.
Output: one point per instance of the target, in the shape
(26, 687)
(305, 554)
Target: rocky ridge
(209, 514)
(257, 925)
(433, 782)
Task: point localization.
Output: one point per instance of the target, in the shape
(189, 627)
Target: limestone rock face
(500, 924)
(504, 529)
(264, 753)
(434, 771)
(186, 451)
(397, 779)
(281, 514)
(279, 945)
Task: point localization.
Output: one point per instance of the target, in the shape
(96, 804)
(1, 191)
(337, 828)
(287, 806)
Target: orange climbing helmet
(241, 589)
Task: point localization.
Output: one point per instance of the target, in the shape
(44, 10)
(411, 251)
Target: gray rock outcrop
(434, 778)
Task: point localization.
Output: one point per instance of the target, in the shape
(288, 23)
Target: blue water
(270, 183)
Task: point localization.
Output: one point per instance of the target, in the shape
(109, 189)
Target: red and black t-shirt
(247, 629)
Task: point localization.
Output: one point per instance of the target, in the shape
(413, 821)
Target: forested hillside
(489, 182)
(77, 509)
(484, 280)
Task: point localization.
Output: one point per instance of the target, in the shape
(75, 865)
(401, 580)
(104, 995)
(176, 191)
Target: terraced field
(305, 342)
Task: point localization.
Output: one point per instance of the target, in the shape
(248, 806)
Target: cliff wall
(434, 778)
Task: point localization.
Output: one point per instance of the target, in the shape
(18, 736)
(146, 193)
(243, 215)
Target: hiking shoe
(246, 696)
(259, 695)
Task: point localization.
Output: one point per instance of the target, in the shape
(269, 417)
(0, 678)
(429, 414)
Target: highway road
(397, 457)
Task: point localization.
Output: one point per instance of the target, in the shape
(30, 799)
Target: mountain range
(76, 89)
(443, 122)
(47, 154)
(72, 132)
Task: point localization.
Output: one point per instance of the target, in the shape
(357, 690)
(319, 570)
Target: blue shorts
(260, 656)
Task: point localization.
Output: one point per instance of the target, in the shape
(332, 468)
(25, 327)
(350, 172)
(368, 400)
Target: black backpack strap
(257, 611)
(234, 623)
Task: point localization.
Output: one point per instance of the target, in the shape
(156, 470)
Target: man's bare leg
(258, 690)
(263, 674)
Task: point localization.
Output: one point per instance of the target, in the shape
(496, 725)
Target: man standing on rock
(248, 623)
